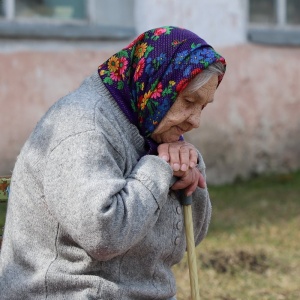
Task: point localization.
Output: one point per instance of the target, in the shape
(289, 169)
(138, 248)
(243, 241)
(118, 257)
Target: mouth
(183, 130)
(180, 130)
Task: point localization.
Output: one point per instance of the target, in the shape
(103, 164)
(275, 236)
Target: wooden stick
(192, 260)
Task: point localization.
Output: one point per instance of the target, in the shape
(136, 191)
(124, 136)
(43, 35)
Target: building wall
(32, 78)
(252, 126)
(216, 21)
(114, 14)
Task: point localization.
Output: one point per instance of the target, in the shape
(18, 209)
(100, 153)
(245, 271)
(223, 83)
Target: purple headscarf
(146, 76)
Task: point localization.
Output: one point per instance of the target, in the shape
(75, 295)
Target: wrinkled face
(184, 114)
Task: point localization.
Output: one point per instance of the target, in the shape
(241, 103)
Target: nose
(194, 118)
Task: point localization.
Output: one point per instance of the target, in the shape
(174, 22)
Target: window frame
(280, 33)
(47, 28)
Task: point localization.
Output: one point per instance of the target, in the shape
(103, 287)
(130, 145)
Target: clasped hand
(182, 157)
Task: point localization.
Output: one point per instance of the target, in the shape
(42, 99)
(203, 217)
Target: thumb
(163, 151)
(201, 181)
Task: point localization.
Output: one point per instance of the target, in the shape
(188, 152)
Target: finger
(184, 157)
(174, 149)
(185, 180)
(163, 151)
(201, 181)
(193, 158)
(190, 181)
(194, 182)
(191, 188)
(180, 184)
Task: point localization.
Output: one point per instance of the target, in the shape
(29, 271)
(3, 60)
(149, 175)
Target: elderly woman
(94, 210)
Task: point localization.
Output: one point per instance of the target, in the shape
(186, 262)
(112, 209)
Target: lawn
(2, 216)
(252, 250)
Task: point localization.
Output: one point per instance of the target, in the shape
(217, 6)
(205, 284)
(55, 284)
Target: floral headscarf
(146, 76)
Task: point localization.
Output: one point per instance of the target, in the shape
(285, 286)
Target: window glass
(57, 9)
(262, 11)
(1, 8)
(293, 12)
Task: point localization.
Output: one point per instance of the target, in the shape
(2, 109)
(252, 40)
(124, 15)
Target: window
(262, 12)
(1, 8)
(73, 19)
(293, 12)
(274, 21)
(55, 9)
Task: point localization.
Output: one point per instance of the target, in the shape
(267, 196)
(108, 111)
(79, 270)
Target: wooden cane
(192, 261)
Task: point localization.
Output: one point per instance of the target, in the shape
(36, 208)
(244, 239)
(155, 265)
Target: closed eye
(189, 100)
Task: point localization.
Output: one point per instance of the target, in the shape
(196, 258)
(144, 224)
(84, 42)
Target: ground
(252, 250)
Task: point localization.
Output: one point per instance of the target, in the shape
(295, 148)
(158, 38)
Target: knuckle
(163, 146)
(184, 149)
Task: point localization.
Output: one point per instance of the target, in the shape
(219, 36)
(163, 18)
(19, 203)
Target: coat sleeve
(86, 191)
(201, 207)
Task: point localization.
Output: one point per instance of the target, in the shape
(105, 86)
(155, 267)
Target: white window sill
(70, 31)
(275, 36)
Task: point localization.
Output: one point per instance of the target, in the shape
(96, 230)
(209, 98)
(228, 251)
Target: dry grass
(252, 251)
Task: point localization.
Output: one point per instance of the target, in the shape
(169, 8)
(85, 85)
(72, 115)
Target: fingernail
(189, 193)
(176, 167)
(203, 186)
(192, 165)
(183, 167)
(164, 157)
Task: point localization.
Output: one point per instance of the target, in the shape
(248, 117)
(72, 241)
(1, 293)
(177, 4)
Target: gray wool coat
(90, 215)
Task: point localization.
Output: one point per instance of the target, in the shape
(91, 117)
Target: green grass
(252, 250)
(2, 215)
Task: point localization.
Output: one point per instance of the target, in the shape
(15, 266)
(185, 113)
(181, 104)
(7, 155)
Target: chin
(170, 139)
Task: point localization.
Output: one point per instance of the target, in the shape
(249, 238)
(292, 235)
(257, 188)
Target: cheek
(186, 114)
(182, 112)
(173, 119)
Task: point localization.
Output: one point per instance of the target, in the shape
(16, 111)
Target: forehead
(207, 90)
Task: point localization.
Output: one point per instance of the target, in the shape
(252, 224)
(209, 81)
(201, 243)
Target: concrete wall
(32, 77)
(115, 12)
(217, 21)
(252, 127)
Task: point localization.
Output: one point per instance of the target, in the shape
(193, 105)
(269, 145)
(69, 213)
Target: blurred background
(47, 47)
(249, 136)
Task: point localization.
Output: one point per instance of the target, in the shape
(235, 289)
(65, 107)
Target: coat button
(179, 225)
(178, 209)
(177, 240)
